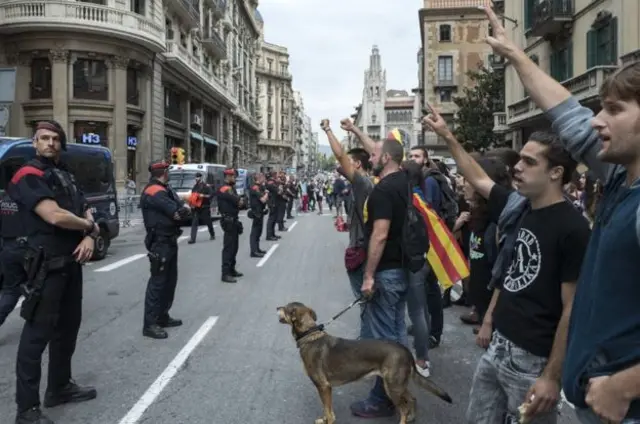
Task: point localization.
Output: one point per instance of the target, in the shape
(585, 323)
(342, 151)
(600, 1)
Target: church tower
(374, 96)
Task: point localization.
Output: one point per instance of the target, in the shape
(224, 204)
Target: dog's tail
(430, 386)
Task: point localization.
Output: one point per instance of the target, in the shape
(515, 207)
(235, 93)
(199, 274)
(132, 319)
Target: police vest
(11, 221)
(63, 185)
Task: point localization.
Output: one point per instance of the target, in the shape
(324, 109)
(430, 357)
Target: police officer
(258, 198)
(14, 242)
(229, 205)
(61, 236)
(281, 202)
(203, 211)
(162, 211)
(292, 193)
(272, 188)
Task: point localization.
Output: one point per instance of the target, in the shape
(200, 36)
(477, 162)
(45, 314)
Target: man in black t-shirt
(543, 241)
(385, 280)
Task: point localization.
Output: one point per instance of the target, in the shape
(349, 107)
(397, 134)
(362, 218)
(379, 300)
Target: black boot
(169, 322)
(155, 332)
(257, 254)
(228, 279)
(32, 416)
(236, 274)
(264, 252)
(69, 393)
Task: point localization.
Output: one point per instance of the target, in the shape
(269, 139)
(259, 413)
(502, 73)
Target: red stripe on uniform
(24, 171)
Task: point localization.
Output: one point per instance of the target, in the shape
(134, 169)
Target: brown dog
(331, 361)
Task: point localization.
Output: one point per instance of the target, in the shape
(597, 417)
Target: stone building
(276, 147)
(578, 42)
(452, 34)
(137, 76)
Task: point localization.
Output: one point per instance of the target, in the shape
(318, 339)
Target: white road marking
(121, 262)
(182, 238)
(19, 304)
(268, 255)
(292, 226)
(152, 393)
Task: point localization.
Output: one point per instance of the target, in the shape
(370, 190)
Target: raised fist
(324, 124)
(346, 124)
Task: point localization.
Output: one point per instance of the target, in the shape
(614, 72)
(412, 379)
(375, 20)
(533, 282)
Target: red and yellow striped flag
(445, 256)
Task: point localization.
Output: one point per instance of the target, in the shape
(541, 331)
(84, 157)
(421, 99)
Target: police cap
(56, 128)
(157, 165)
(230, 171)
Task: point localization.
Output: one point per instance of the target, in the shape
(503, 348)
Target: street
(232, 361)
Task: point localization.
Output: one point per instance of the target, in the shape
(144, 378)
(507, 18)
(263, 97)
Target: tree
(474, 119)
(326, 163)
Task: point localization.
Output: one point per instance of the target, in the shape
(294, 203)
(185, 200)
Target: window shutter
(527, 14)
(591, 49)
(569, 61)
(613, 37)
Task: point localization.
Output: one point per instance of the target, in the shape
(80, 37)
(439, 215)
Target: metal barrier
(129, 210)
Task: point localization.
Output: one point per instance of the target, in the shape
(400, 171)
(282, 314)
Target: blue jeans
(383, 317)
(587, 416)
(355, 279)
(419, 312)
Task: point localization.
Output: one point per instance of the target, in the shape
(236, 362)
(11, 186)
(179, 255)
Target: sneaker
(368, 409)
(425, 370)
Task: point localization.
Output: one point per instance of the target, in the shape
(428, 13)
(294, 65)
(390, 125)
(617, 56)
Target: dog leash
(358, 301)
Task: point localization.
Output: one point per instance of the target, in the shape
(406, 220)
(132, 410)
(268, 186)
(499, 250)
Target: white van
(182, 178)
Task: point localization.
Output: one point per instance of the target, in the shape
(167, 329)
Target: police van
(182, 178)
(93, 169)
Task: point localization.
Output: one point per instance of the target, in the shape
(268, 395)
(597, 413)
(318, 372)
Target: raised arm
(338, 152)
(467, 166)
(367, 143)
(570, 120)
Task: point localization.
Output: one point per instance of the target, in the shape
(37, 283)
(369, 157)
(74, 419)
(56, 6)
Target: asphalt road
(231, 362)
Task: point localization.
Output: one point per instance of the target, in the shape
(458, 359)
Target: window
(529, 6)
(90, 80)
(602, 43)
(269, 134)
(92, 133)
(282, 135)
(445, 95)
(40, 78)
(172, 102)
(445, 33)
(445, 69)
(133, 95)
(561, 63)
(137, 6)
(168, 29)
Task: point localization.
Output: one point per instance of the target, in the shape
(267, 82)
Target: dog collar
(310, 331)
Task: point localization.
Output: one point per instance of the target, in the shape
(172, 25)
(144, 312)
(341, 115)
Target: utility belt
(256, 213)
(16, 241)
(37, 266)
(231, 223)
(164, 234)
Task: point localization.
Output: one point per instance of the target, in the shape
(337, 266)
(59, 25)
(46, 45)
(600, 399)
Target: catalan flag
(445, 256)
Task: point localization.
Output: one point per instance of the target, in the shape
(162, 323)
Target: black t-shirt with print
(480, 266)
(388, 200)
(549, 250)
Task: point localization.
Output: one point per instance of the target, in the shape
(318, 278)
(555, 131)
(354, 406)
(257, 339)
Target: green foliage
(326, 162)
(474, 119)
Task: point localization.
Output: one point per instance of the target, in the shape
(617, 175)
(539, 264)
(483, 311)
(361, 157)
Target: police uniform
(229, 207)
(256, 213)
(272, 188)
(162, 210)
(204, 211)
(281, 203)
(52, 307)
(12, 255)
(291, 192)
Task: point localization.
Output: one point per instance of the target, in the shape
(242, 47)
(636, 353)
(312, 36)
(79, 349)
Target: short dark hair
(555, 153)
(394, 150)
(423, 149)
(361, 155)
(508, 156)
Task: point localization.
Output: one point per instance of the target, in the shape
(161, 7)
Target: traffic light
(177, 156)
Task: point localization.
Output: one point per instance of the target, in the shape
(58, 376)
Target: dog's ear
(313, 314)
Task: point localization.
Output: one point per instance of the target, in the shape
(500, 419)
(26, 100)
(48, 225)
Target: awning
(196, 135)
(210, 140)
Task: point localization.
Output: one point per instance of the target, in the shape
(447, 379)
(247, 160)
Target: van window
(182, 180)
(94, 174)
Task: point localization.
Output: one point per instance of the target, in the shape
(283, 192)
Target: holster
(35, 265)
(149, 238)
(157, 263)
(228, 223)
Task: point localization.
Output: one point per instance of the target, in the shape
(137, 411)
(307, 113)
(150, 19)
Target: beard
(377, 169)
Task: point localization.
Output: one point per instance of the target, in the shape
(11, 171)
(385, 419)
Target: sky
(330, 43)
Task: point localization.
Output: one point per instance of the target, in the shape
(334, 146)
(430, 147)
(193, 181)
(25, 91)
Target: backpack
(415, 239)
(449, 210)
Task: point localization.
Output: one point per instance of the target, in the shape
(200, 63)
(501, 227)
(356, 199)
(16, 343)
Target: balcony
(214, 44)
(550, 17)
(273, 72)
(496, 61)
(187, 10)
(500, 123)
(583, 87)
(192, 68)
(218, 7)
(446, 82)
(38, 16)
(452, 4)
(273, 143)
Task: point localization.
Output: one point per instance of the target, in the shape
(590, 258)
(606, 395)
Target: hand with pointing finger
(436, 123)
(499, 42)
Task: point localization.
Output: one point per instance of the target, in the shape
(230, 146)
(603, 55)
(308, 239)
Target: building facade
(138, 77)
(452, 34)
(305, 152)
(277, 108)
(578, 42)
